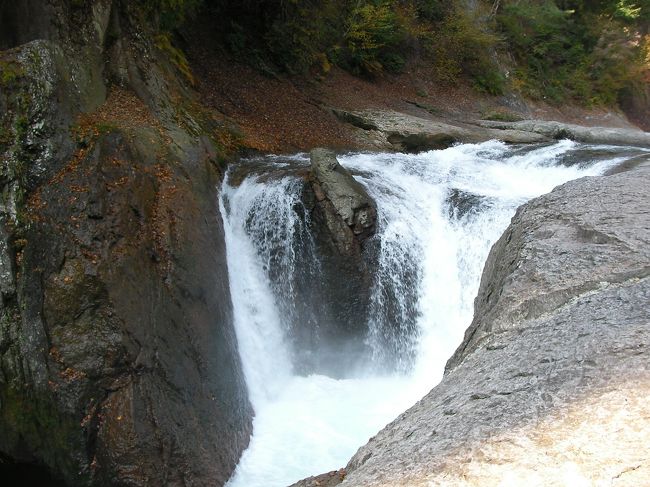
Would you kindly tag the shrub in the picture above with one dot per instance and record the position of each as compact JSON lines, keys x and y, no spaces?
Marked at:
{"x":373,"y":39}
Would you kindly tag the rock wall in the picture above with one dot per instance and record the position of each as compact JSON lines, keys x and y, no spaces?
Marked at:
{"x":550,"y":385}
{"x":118,"y":359}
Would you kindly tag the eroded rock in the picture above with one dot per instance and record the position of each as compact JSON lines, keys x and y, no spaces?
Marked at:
{"x":343,"y":200}
{"x":400,"y":131}
{"x":342,"y":219}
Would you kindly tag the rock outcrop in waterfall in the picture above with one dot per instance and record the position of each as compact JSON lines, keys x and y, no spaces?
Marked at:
{"x":348,"y":210}
{"x":118,"y":359}
{"x":551,"y":382}
{"x":343,"y":218}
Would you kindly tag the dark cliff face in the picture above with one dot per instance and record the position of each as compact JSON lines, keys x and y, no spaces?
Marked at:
{"x":118,"y":359}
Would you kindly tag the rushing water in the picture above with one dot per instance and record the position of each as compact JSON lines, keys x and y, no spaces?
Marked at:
{"x":439,"y":213}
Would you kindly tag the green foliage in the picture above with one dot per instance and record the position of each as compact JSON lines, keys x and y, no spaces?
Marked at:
{"x":584,"y":51}
{"x":175,"y":55}
{"x":580,"y":50}
{"x":460,"y":46}
{"x":307,"y":34}
{"x":432,"y":10}
{"x":373,"y":38}
{"x":10,"y":72}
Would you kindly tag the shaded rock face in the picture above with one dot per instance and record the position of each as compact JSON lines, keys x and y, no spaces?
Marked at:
{"x":550,"y":385}
{"x":342,"y":220}
{"x":24,"y":21}
{"x":118,"y":359}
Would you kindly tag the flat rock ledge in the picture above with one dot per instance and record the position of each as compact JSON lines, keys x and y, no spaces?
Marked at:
{"x":589,"y":135}
{"x":391,"y":130}
{"x":551,"y":384}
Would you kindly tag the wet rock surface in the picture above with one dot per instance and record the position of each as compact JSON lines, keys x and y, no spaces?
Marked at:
{"x":118,"y":359}
{"x":552,"y":379}
{"x":343,"y":200}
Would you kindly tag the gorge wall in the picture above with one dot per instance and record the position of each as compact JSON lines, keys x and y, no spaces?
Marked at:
{"x":118,"y":359}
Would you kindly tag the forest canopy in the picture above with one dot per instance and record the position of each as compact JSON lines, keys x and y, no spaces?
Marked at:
{"x":588,"y":51}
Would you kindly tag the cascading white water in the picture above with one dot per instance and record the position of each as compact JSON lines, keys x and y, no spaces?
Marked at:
{"x":439,"y":214}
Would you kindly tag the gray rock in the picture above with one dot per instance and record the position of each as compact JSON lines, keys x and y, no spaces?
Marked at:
{"x":575,"y":240}
{"x":329,"y":479}
{"x":590,"y":135}
{"x":409,"y":133}
{"x":349,"y":199}
{"x":550,"y":385}
{"x":341,"y":220}
{"x":386,"y":129}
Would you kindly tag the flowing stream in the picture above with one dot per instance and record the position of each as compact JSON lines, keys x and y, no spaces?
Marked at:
{"x":439,"y":213}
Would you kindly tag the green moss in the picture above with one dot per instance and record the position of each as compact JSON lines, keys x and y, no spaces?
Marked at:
{"x":21,"y":126}
{"x":176,"y":56}
{"x":6,"y":137}
{"x":10,"y":73}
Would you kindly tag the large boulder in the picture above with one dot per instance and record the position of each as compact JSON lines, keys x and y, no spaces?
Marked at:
{"x":118,"y":357}
{"x":550,"y":385}
{"x":391,"y":130}
{"x":349,"y":211}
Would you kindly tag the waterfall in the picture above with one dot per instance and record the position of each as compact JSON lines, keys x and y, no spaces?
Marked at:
{"x":439,"y":213}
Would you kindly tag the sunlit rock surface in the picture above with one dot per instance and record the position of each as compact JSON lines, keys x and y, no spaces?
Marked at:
{"x":387,"y":129}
